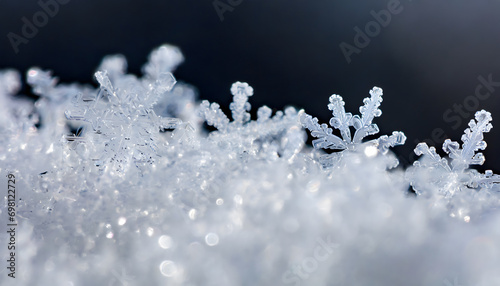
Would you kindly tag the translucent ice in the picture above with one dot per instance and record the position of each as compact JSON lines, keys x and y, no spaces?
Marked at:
{"x":121,"y":185}
{"x":343,"y":121}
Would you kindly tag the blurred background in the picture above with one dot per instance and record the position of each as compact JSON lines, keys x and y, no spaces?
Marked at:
{"x":437,"y":60}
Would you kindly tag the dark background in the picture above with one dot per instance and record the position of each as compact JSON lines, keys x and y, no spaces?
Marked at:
{"x":427,"y":59}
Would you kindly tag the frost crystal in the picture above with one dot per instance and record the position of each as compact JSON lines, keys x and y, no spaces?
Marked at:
{"x":125,"y":127}
{"x":267,"y":137}
{"x":121,"y":184}
{"x":343,"y":121}
{"x":433,"y":175}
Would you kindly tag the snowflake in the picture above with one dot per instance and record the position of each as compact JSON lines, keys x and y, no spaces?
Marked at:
{"x":125,"y":128}
{"x":344,"y":121}
{"x":267,"y":137}
{"x":449,"y":182}
{"x":162,"y":186}
{"x":451,"y":175}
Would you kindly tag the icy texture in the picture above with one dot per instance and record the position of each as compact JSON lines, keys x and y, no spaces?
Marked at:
{"x":120,"y":185}
{"x":343,"y":121}
{"x":125,"y":127}
{"x":16,"y":114}
{"x":450,"y":181}
{"x":267,"y":137}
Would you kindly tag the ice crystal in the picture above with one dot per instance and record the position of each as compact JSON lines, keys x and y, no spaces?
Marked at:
{"x":433,"y":175}
{"x":344,"y":121}
{"x":125,"y":127}
{"x":269,"y":137}
{"x":121,"y":184}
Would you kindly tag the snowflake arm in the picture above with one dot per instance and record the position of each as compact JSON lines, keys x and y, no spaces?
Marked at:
{"x":163,"y":84}
{"x":473,"y":138}
{"x":340,"y":120}
{"x":103,"y":79}
{"x":369,"y":111}
{"x":326,"y":139}
{"x":433,"y":157}
{"x":213,"y":115}
{"x":485,"y":180}
{"x":240,"y":105}
{"x":385,"y":142}
{"x":472,"y":142}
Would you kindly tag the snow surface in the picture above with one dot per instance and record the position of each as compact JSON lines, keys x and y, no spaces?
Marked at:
{"x":121,"y":185}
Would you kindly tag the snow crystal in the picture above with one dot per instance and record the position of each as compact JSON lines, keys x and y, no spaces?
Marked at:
{"x":121,"y":185}
{"x":343,"y":121}
{"x":449,"y":181}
